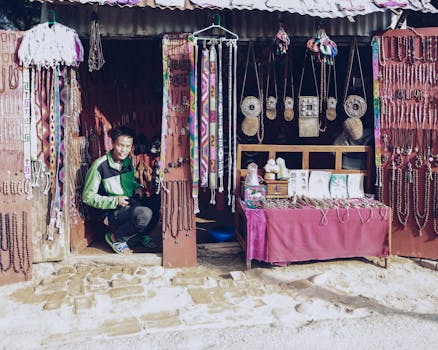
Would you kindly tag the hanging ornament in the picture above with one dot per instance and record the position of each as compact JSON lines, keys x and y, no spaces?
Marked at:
{"x":95,"y":55}
{"x":51,"y":44}
{"x":281,"y":41}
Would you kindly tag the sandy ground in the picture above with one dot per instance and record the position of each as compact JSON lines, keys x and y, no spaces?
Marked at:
{"x":342,"y":304}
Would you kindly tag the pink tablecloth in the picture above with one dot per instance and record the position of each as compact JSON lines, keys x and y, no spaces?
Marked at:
{"x":281,"y":236}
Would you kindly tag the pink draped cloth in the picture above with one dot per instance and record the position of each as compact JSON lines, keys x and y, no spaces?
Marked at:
{"x":280,"y":236}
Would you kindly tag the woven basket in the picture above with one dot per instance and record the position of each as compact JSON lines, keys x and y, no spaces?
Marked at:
{"x":354,"y":128}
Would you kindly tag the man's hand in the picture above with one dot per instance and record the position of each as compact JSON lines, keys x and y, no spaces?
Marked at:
{"x":123,"y":201}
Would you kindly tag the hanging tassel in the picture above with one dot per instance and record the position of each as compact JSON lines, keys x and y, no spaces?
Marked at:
{"x":51,"y":229}
{"x":409,"y":174}
{"x":221,"y":184}
{"x":213,"y":197}
{"x":195,"y":205}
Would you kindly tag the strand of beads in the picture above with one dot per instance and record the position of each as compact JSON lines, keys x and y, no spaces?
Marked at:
{"x":402,"y":213}
{"x":425,"y":215}
{"x":435,"y":202}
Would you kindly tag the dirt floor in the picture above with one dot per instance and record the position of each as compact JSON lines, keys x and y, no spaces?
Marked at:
{"x":120,"y":303}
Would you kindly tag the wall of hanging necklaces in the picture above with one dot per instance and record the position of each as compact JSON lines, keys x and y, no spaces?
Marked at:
{"x":178,"y":218}
{"x":15,"y":224}
{"x":406,"y":125}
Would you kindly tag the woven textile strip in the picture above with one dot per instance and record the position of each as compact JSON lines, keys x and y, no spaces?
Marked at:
{"x":33,"y":107}
{"x":46,"y":88}
{"x":205,"y":110}
{"x":220,"y":123}
{"x":26,"y":122}
{"x":165,"y":111}
{"x":194,"y":137}
{"x":60,"y":136}
{"x":52,"y":133}
{"x":37,"y":114}
{"x":233,"y":201}
{"x":230,"y":120}
{"x":55,"y":154}
{"x":375,"y":62}
{"x":213,"y":124}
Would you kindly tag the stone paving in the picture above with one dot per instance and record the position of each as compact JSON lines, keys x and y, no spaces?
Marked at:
{"x":109,"y":299}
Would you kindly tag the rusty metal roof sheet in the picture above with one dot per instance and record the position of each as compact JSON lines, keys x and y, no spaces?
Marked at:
{"x":317,"y":8}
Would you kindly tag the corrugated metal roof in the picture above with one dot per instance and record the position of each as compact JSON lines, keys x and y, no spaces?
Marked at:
{"x":318,"y":8}
{"x":130,"y":22}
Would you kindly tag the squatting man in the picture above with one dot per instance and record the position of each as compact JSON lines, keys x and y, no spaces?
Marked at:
{"x":111,"y":188}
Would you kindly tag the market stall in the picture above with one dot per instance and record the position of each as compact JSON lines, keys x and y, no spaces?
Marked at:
{"x":266,"y":73}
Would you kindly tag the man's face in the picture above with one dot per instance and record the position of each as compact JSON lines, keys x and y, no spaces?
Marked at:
{"x":122,"y":147}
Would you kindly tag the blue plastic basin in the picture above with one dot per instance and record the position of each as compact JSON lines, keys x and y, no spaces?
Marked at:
{"x":222,"y":234}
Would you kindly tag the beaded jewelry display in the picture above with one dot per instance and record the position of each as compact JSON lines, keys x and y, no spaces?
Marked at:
{"x":421,"y":218}
{"x":402,"y":209}
{"x":435,"y":203}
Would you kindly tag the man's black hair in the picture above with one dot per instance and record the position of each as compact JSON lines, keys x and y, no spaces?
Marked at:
{"x":121,"y":131}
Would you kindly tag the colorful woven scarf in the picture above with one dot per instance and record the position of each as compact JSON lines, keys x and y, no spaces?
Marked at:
{"x":230,"y":119}
{"x":33,"y":138}
{"x":213,"y":122}
{"x":26,"y":123}
{"x":205,"y":110}
{"x":194,"y":137}
{"x":233,"y":201}
{"x":165,"y":111}
{"x":39,"y":113}
{"x":55,"y":152}
{"x":46,"y":88}
{"x":63,"y":98}
{"x":220,"y":123}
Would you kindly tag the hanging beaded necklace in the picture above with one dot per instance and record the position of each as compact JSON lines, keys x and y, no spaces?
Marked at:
{"x":26,"y":264}
{"x":425,"y":215}
{"x":402,"y":196}
{"x":382,"y":58}
{"x":435,"y":203}
{"x":8,"y":242}
{"x":370,"y":216}
{"x":380,"y":183}
{"x":391,"y":187}
{"x":1,"y":240}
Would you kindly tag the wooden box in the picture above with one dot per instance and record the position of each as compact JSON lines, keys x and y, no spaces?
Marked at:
{"x":276,"y":188}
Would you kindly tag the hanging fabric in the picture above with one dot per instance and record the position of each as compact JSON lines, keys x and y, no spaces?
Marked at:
{"x":51,"y":47}
{"x":230,"y":118}
{"x":213,"y":124}
{"x":205,"y":109}
{"x":194,"y":138}
{"x":220,"y":123}
{"x":165,"y":111}
{"x":27,"y":124}
{"x":233,"y":200}
{"x":56,"y":156}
